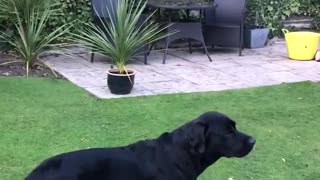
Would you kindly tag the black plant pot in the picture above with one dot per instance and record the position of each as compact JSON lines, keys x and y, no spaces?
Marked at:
{"x":120,"y":84}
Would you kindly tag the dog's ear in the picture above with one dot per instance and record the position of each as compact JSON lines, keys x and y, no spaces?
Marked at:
{"x":196,"y":137}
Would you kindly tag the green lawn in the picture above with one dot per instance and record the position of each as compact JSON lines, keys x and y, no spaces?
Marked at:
{"x":40,"y":118}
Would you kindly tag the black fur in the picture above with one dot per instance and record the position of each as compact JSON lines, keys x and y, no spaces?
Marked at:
{"x":182,"y":154}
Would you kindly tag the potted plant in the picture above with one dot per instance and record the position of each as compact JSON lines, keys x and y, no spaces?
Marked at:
{"x":255,"y":36}
{"x":120,"y":38}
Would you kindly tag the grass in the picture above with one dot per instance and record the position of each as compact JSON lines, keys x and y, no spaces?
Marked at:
{"x":40,"y":118}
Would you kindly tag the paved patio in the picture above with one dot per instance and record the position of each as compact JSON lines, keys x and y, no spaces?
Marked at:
{"x":186,"y":73}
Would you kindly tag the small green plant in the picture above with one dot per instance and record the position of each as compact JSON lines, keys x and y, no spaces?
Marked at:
{"x":121,"y":37}
{"x":269,"y":13}
{"x":31,"y":38}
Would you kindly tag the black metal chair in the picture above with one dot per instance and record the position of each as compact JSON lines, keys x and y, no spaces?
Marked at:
{"x":100,"y":9}
{"x":224,"y":24}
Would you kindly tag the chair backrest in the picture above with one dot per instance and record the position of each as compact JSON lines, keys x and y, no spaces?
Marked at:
{"x":100,"y":8}
{"x":226,"y":12}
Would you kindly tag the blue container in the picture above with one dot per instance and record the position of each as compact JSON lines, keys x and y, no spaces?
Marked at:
{"x":255,"y":37}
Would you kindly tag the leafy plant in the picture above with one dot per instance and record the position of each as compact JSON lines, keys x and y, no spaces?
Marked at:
{"x":31,"y":39}
{"x":71,"y":11}
{"x":8,"y":18}
{"x":121,"y":37}
{"x":269,"y":13}
{"x":9,"y":9}
{"x":311,"y":8}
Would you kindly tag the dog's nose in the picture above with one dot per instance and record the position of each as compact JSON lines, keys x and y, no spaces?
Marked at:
{"x":252,"y":141}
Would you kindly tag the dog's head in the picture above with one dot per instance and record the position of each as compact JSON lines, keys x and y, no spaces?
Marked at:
{"x":216,"y":134}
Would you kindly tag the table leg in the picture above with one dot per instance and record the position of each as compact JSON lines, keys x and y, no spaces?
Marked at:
{"x":188,"y":14}
{"x":190,"y":46}
{"x":159,"y":14}
{"x":167,"y":42}
{"x":166,"y":51}
{"x":201,"y":15}
{"x":189,"y":40}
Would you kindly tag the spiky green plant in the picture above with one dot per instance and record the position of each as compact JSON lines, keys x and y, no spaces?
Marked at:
{"x":23,"y":7}
{"x":121,"y":37}
{"x":31,"y":39}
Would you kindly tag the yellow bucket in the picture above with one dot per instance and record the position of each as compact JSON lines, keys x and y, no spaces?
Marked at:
{"x":301,"y":45}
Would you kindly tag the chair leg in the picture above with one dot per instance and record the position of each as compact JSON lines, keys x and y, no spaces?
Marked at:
{"x":240,"y":49}
{"x":165,"y":52}
{"x":190,"y":47}
{"x":145,"y":58}
{"x":92,"y":57}
{"x":241,"y":41}
{"x":206,"y":50}
{"x":146,"y":54}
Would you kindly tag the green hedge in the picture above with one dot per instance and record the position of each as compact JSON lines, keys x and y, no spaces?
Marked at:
{"x":270,"y":12}
{"x":312,"y":8}
{"x":72,"y":11}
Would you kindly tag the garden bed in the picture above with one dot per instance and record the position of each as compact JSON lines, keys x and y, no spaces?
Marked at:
{"x":18,"y":68}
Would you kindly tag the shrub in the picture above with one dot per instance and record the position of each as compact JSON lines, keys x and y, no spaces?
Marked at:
{"x":75,"y":11}
{"x":270,"y":12}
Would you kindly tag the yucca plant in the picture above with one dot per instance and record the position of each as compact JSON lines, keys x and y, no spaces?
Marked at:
{"x":8,"y":8}
{"x":120,"y":38}
{"x":31,"y":38}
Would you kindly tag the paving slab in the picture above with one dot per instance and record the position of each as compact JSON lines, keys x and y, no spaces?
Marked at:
{"x":188,"y":73}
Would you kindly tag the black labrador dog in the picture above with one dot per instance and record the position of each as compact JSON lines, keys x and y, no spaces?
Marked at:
{"x":182,"y":154}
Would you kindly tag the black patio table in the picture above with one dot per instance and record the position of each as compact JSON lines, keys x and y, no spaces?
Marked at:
{"x":186,"y":30}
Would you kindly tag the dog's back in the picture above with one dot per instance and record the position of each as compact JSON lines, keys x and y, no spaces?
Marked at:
{"x":94,"y":164}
